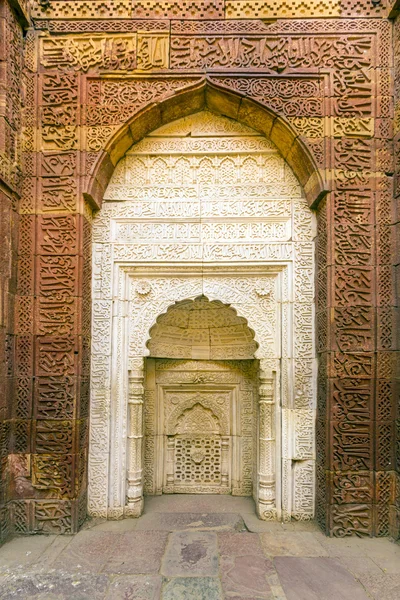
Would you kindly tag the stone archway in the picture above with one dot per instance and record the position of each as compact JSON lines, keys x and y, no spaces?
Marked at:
{"x":203,"y":206}
{"x":201,"y":410}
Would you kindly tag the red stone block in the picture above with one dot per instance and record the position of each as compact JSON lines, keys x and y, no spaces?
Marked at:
{"x":22,"y":516}
{"x":24,"y":356}
{"x":384,"y":434}
{"x":28,"y":195}
{"x":57,"y":315}
{"x":386,"y":280}
{"x":22,"y":395}
{"x":56,"y":356}
{"x":386,"y":398}
{"x":54,"y":437}
{"x":56,"y":164}
{"x":59,"y":234}
{"x":351,"y":446}
{"x":53,"y":517}
{"x":384,"y":128}
{"x":24,"y":315}
{"x":354,"y":286}
{"x":354,"y":329}
{"x":351,"y":400}
{"x":57,"y":195}
{"x":387,"y":326}
{"x":57,"y":276}
{"x":53,"y":474}
{"x":352,"y":488}
{"x":56,"y":397}
{"x":353,"y":243}
{"x":324,"y":338}
{"x":381,"y":519}
{"x":27,"y":234}
{"x":352,"y":364}
{"x":20,"y":436}
{"x":351,"y":519}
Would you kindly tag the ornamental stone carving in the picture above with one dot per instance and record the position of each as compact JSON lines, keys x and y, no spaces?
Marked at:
{"x":204,"y":245}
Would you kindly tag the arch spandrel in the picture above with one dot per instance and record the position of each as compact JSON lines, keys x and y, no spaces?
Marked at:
{"x":207,"y":94}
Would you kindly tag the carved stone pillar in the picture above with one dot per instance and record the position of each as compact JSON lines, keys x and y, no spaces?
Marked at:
{"x":134,"y":492}
{"x":225,"y":470}
{"x":169,"y":465}
{"x":266,"y":505}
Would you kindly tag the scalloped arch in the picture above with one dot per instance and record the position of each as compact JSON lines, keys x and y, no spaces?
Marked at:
{"x":201,"y":329}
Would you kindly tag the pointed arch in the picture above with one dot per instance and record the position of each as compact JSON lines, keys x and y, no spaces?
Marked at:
{"x":206,"y":94}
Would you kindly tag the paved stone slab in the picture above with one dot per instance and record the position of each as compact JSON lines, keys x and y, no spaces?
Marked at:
{"x":88,"y":552}
{"x":57,"y":585}
{"x":382,"y":587}
{"x":192,"y":588}
{"x":247,"y":576}
{"x":191,"y":553}
{"x":292,"y":544}
{"x":52,"y":552}
{"x":121,"y":526}
{"x":203,"y":503}
{"x":135,"y":587}
{"x":317,"y":578}
{"x":255,"y":525}
{"x":340,"y":547}
{"x":384,"y":553}
{"x":137,"y":552}
{"x":192,"y":521}
{"x":310,"y":526}
{"x":357,"y":565}
{"x":239,"y":544}
{"x":23,"y":551}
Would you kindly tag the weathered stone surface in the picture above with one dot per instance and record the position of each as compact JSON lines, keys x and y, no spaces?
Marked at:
{"x":317,"y":579}
{"x":190,"y":521}
{"x":88,"y":552}
{"x":23,"y":551}
{"x":247,"y":575}
{"x":121,"y":526}
{"x":381,"y":587}
{"x":201,"y":588}
{"x":239,"y":544}
{"x":191,"y":554}
{"x":147,"y":587}
{"x":54,"y":586}
{"x":149,"y":545}
{"x":291,"y":544}
{"x":204,"y":503}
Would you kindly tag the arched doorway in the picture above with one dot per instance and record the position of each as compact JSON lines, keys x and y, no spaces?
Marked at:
{"x":201,"y":402}
{"x":203,"y":207}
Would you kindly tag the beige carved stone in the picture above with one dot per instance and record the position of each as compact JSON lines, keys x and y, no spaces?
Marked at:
{"x":200,"y":424}
{"x":203,"y":261}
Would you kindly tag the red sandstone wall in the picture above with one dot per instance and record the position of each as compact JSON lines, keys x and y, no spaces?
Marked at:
{"x":11,"y":65}
{"x":395,"y":220}
{"x":69,"y":118}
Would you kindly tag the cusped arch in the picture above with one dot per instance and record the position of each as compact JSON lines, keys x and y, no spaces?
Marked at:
{"x":215,"y":408}
{"x":206,"y":94}
{"x":196,"y":419}
{"x":201,"y":329}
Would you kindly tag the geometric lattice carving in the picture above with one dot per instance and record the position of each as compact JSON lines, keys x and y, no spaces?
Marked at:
{"x":198,"y":460}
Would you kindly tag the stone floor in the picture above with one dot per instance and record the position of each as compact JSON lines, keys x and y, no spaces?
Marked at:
{"x":199,"y":548}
